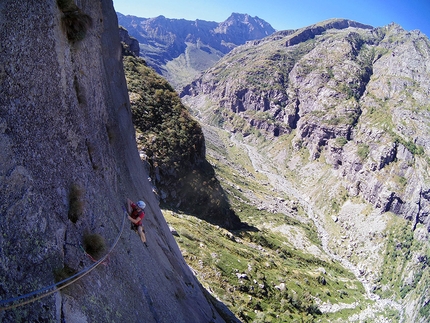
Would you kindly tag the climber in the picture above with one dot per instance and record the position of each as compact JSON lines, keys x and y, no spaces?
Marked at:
{"x":136,"y":215}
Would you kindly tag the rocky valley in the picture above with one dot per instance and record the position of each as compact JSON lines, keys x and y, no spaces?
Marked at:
{"x":333,"y":118}
{"x":287,"y":183}
{"x":345,"y":95}
{"x":319,"y":138}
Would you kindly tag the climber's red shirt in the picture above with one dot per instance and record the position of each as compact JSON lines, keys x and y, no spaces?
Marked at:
{"x":137,"y":214}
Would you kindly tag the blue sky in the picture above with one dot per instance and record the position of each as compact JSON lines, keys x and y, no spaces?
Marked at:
{"x":288,"y":14}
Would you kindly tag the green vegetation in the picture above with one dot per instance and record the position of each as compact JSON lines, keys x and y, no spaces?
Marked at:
{"x":341,"y":141}
{"x":402,"y":275}
{"x":398,"y":251}
{"x":409,"y":144}
{"x":341,"y":197}
{"x":401,"y":181}
{"x":425,"y":310}
{"x":259,"y":275}
{"x":363,"y":151}
{"x":74,"y":22}
{"x":94,"y":245}
{"x":174,"y":146}
{"x":64,"y":273}
{"x":377,"y":113}
{"x":76,"y":203}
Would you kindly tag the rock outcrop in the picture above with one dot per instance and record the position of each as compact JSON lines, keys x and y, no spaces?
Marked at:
{"x":311,"y":32}
{"x":130,"y":45}
{"x":172,"y":145}
{"x":68,"y":162}
{"x":356,"y":97}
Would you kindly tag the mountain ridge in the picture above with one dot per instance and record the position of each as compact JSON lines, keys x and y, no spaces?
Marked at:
{"x":180,"y":49}
{"x":259,"y":97}
{"x":342,"y":116}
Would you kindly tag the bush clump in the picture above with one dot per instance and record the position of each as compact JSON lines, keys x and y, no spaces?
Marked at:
{"x":64,"y":273}
{"x":76,"y":203}
{"x":363,"y":151}
{"x":94,"y":245}
{"x":75,"y":23}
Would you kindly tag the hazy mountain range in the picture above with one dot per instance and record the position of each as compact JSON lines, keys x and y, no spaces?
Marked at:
{"x":180,"y":49}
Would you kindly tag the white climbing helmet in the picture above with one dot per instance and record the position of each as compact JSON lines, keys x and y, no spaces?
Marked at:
{"x":141,"y":204}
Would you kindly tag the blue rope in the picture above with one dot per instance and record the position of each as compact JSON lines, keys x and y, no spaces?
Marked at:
{"x":69,"y":280}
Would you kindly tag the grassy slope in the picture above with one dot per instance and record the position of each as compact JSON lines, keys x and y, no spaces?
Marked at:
{"x":266,"y":255}
{"x":282,"y":248}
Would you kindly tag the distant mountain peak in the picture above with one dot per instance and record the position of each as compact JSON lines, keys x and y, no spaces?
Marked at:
{"x":238,"y":16}
{"x":258,"y":27}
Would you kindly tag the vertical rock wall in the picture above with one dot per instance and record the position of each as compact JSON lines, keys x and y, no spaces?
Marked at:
{"x":68,"y":161}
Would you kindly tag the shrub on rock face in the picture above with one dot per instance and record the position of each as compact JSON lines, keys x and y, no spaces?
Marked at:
{"x":363,"y":151}
{"x":64,"y":273}
{"x":94,"y":245}
{"x":74,"y":22}
{"x":76,"y":203}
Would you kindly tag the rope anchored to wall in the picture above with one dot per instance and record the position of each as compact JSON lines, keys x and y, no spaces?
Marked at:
{"x":48,"y":290}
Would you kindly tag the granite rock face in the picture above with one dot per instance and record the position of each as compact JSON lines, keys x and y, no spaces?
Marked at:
{"x":68,"y":161}
{"x":354,"y":96}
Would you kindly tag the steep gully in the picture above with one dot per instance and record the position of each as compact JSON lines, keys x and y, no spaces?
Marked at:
{"x":280,"y":183}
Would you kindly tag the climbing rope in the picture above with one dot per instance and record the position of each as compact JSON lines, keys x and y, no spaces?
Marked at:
{"x":56,"y":287}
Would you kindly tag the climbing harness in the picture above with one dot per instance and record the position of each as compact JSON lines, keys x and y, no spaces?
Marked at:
{"x":46,"y":291}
